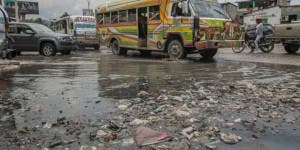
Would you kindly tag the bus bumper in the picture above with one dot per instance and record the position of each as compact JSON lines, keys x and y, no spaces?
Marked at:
{"x":88,"y":43}
{"x":219,"y":44}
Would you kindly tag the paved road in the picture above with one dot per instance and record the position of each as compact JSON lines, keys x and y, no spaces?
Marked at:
{"x":63,"y":101}
{"x":277,"y":56}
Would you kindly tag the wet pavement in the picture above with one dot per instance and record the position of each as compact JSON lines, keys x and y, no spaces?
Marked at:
{"x":93,"y":100}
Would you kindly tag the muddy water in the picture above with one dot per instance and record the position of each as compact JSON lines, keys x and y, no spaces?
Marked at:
{"x":85,"y":88}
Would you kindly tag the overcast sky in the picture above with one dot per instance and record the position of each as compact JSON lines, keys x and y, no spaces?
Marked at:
{"x":55,"y":8}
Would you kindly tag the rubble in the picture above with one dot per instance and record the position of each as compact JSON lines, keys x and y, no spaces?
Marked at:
{"x":123,"y":107}
{"x":211,"y":147}
{"x":110,"y":137}
{"x":229,"y":124}
{"x":230,"y":138}
{"x":296,"y":100}
{"x":183,"y":111}
{"x":145,"y":136}
{"x":143,"y":94}
{"x":100,"y":133}
{"x":138,"y":122}
{"x":127,"y":142}
{"x":187,"y":131}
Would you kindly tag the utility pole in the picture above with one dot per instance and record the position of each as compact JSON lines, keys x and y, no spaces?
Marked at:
{"x":88,"y":1}
{"x":17,"y":11}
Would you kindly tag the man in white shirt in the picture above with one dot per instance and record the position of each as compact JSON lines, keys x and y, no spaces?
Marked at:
{"x":259,"y":32}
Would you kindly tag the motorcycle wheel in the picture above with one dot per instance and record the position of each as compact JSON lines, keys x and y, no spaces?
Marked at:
{"x":267,"y":45}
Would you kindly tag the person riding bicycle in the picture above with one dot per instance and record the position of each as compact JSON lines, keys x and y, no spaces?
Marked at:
{"x":259,"y":32}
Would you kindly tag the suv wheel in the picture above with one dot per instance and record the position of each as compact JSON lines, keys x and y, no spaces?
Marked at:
{"x":291,"y":49}
{"x":48,"y":49}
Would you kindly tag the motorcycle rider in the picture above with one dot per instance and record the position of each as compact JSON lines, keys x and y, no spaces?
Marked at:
{"x":259,"y":32}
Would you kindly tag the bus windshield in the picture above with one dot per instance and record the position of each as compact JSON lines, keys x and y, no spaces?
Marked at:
{"x":208,"y":9}
{"x":85,"y":26}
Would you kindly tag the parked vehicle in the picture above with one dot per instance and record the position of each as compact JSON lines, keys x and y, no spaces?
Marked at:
{"x":266,"y":44}
{"x":83,"y":28}
{"x":289,"y":35}
{"x":176,"y":27}
{"x":37,"y":37}
{"x":5,"y":52}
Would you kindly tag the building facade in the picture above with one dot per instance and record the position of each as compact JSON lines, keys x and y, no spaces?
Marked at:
{"x":274,"y":15}
{"x":248,"y":6}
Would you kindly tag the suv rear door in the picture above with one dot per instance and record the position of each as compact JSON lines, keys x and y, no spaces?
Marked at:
{"x":23,"y":41}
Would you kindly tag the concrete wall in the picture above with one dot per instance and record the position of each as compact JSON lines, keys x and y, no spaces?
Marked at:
{"x":270,"y":15}
{"x":283,"y":2}
{"x":287,"y":12}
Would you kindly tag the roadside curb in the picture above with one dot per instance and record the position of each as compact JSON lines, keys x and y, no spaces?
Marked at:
{"x":8,"y":65}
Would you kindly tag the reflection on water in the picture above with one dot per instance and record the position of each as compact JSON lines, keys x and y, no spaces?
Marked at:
{"x":123,"y":78}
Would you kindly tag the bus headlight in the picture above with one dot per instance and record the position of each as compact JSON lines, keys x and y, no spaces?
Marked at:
{"x":159,"y":45}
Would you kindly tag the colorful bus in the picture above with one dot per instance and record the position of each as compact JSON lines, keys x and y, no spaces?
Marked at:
{"x":83,"y":28}
{"x":176,"y":27}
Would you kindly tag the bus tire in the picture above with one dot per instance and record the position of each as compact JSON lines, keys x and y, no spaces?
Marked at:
{"x":115,"y":47}
{"x":176,"y":50}
{"x":209,"y":53}
{"x":96,"y":47}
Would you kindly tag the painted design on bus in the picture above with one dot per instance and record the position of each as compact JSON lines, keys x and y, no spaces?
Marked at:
{"x":83,"y":28}
{"x":121,"y":20}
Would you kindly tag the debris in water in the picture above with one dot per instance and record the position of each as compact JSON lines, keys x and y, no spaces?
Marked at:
{"x":230,"y":138}
{"x":145,"y":136}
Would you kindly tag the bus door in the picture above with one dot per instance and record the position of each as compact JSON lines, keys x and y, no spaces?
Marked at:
{"x":142,"y":27}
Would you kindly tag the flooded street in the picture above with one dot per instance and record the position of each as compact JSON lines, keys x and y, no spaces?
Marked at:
{"x":71,"y":101}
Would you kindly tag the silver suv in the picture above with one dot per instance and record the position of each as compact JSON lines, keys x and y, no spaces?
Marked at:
{"x":37,"y":37}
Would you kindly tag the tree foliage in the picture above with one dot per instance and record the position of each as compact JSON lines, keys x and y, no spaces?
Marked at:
{"x":65,"y":14}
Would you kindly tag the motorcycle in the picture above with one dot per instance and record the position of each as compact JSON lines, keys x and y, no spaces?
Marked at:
{"x":265,"y":44}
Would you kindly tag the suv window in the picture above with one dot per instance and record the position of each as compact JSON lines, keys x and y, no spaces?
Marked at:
{"x":21,"y":29}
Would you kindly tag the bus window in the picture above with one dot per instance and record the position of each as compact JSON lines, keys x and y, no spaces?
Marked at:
{"x":114,"y":17}
{"x":154,"y":13}
{"x":100,"y":18}
{"x":132,"y":15}
{"x":123,"y":16}
{"x":71,"y":25}
{"x":107,"y":18}
{"x":180,"y":9}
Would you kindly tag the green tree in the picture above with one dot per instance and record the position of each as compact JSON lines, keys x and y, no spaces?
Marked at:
{"x":38,"y":20}
{"x":65,"y":14}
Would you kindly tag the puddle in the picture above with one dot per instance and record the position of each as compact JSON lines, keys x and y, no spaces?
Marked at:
{"x":87,"y":90}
